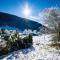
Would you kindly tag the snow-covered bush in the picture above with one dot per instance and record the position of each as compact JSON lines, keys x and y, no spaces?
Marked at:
{"x":14,"y":42}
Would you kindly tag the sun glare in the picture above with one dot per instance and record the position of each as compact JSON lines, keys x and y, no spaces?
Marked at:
{"x":26,"y":11}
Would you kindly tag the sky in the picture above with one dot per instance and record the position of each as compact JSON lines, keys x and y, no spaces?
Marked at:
{"x":16,"y":7}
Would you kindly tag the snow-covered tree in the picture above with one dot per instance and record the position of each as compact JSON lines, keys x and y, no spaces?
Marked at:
{"x":35,"y":31}
{"x":29,"y":31}
{"x":25,"y":31}
{"x":52,"y":19}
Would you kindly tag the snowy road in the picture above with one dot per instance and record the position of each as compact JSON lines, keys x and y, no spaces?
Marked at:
{"x":39,"y":51}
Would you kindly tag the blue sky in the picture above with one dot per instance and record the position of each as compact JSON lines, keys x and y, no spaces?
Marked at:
{"x":15,"y":6}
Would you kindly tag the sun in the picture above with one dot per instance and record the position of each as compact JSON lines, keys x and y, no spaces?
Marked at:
{"x":26,"y":11}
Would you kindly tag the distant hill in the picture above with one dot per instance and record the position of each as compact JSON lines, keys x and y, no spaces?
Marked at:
{"x":18,"y":22}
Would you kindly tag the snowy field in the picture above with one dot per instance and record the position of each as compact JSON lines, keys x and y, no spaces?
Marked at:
{"x":39,"y":51}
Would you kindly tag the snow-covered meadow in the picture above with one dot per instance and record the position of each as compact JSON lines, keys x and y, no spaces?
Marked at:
{"x":39,"y":51}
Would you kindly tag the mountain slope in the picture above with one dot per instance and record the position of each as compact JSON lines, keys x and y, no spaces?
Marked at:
{"x":18,"y":22}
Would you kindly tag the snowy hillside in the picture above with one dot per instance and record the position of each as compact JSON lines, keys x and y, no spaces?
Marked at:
{"x":39,"y":51}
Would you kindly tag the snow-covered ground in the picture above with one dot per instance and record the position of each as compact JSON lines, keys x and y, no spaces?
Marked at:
{"x":39,"y":51}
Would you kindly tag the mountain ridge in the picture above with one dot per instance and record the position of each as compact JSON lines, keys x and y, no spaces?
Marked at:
{"x":18,"y":22}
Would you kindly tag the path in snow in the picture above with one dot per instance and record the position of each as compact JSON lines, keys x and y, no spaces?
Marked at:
{"x":39,"y":51}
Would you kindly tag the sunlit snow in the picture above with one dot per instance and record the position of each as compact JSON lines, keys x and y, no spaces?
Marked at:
{"x":39,"y":51}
